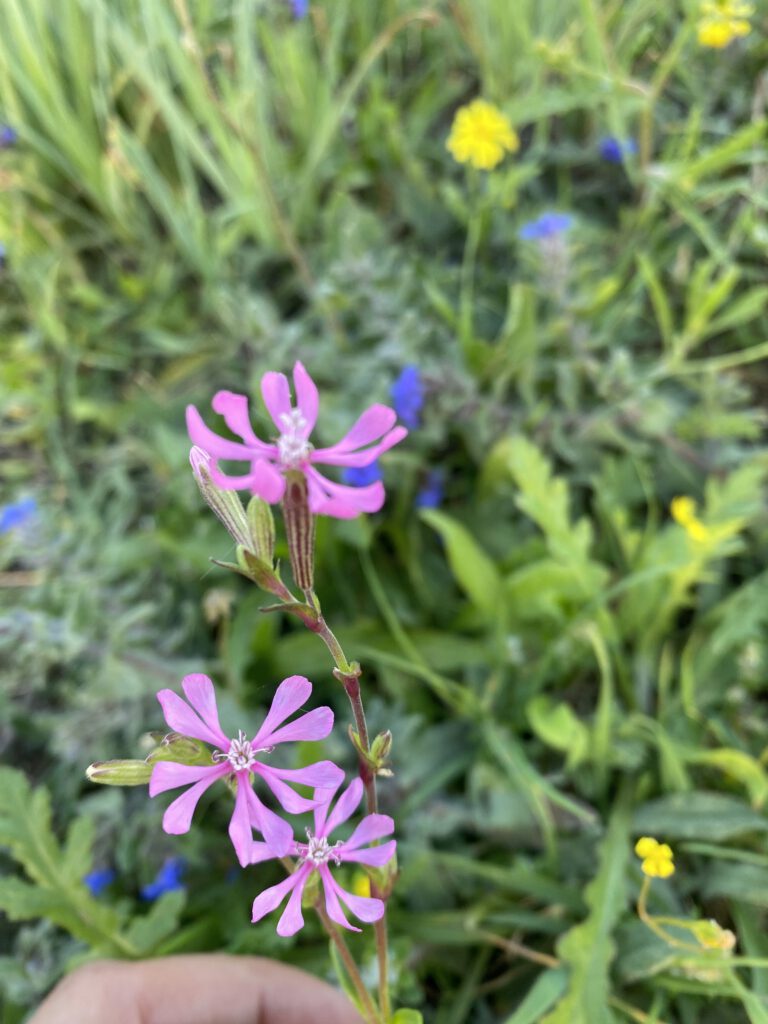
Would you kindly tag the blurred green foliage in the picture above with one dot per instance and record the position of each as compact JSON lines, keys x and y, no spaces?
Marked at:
{"x":206,"y":189}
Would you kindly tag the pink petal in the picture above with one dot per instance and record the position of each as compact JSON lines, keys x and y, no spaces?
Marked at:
{"x":321,"y":810}
{"x":234,"y":409}
{"x":321,"y":775}
{"x":346,"y":805}
{"x":267,"y":481}
{"x":339,"y":500}
{"x":277,"y":397}
{"x":376,"y":856}
{"x":178,"y":816}
{"x":306,"y":397}
{"x":332,"y":904}
{"x":292,"y":918}
{"x":369,"y":427}
{"x":199,"y":691}
{"x":260,"y":852}
{"x":205,"y":438}
{"x":277,"y":833}
{"x":333,"y":457}
{"x":240,"y":822}
{"x":271,"y":898}
{"x":181,"y":718}
{"x":290,"y":695}
{"x":315,"y":725}
{"x":373,"y":826}
{"x":366,"y":908}
{"x":288,"y":799}
{"x":170,"y":775}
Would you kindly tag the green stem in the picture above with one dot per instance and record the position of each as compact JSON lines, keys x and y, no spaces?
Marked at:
{"x":366,"y":1003}
{"x":466,"y":299}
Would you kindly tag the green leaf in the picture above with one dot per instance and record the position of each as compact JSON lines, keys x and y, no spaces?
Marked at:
{"x":474,"y":571}
{"x":407,"y":1017}
{"x":588,"y":948}
{"x":545,"y":498}
{"x":558,"y":726}
{"x":542,"y":995}
{"x":162,"y":920}
{"x":714,"y":817}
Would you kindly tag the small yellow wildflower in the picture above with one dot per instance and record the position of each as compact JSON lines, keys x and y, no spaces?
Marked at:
{"x":656,"y":858}
{"x":361,"y":884}
{"x":480,"y":135}
{"x":722,"y":21}
{"x":683,"y":511}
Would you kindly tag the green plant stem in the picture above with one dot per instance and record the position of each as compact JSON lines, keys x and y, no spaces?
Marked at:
{"x":466,"y":297}
{"x":382,"y":957}
{"x":366,"y":1003}
{"x":664,"y":70}
{"x":653,"y":923}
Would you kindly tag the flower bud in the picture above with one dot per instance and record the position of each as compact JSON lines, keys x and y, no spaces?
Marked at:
{"x":300,"y":530}
{"x":380,"y":749}
{"x":261,"y":527}
{"x":181,"y":749}
{"x":226,"y":505}
{"x":119,"y":773}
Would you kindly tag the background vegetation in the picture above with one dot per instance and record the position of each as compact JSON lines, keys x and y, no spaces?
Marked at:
{"x":205,"y":189}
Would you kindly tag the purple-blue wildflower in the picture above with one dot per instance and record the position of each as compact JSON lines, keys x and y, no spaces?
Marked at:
{"x":15,"y":515}
{"x":98,"y":879}
{"x":167,"y":879}
{"x":8,"y":136}
{"x":408,"y":396}
{"x":431,"y":494}
{"x":615,"y":150}
{"x":361,"y":476}
{"x":300,"y":8}
{"x":547,"y":225}
{"x":2,"y":256}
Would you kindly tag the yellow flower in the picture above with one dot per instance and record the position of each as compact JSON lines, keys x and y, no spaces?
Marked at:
{"x":361,"y":884}
{"x":480,"y":135}
{"x":683,"y":510}
{"x":722,"y":21}
{"x":656,"y":858}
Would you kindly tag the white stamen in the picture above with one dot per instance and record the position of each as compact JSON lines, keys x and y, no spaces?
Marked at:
{"x":241,"y":754}
{"x":318,"y":851}
{"x":291,"y":445}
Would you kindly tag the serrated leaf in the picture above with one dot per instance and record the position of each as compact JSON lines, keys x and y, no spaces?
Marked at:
{"x":149,"y":930}
{"x":77,"y":859}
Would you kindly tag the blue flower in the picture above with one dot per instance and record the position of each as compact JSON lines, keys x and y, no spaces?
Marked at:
{"x":547,"y":225}
{"x":408,"y":396}
{"x":361,"y":476}
{"x":615,"y":150}
{"x":98,"y":880}
{"x":167,"y":879}
{"x":8,"y":136}
{"x":14,"y":516}
{"x":300,"y":8}
{"x":2,"y":255}
{"x":432,"y":493}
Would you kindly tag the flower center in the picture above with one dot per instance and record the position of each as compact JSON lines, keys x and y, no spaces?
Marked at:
{"x":318,"y":851}
{"x":292,"y":446}
{"x":241,"y":754}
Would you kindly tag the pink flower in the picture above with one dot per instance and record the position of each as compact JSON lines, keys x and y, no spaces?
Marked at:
{"x":375,"y":432}
{"x":239,"y":759}
{"x":317,"y":854}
